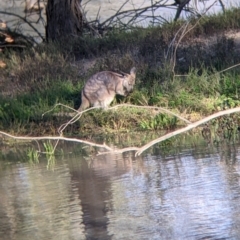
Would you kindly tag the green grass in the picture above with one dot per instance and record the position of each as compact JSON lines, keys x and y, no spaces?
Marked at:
{"x":36,"y":79}
{"x":182,"y":93}
{"x":24,"y":111}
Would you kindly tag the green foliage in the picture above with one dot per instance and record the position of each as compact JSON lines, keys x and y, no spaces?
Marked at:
{"x":160,"y":121}
{"x":159,"y":99}
{"x":122,"y":119}
{"x":48,"y":148}
{"x":230,"y":19}
{"x":226,"y":102}
{"x":184,"y":100}
{"x":50,"y":151}
{"x":201,"y":81}
{"x":33,"y":156}
{"x":230,"y":85}
{"x":140,"y":97}
{"x":38,"y":78}
{"x":30,"y":107}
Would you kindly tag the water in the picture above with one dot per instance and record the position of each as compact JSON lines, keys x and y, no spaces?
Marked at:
{"x":192,"y":194}
{"x":102,"y":10}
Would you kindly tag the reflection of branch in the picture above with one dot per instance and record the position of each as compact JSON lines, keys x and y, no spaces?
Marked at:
{"x":25,"y":20}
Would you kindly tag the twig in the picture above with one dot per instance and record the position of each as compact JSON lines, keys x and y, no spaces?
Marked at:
{"x":224,"y":70}
{"x":173,"y":40}
{"x":152,"y":107}
{"x":114,"y":107}
{"x":73,"y":119}
{"x":87,"y":23}
{"x":133,"y":14}
{"x":56,"y":105}
{"x":180,"y":39}
{"x":184,"y":33}
{"x":25,"y":20}
{"x":222,"y":5}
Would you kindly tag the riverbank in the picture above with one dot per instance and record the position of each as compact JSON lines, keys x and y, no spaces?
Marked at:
{"x":186,"y":67}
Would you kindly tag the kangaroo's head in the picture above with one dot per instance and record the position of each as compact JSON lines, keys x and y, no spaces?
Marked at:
{"x":129,"y":81}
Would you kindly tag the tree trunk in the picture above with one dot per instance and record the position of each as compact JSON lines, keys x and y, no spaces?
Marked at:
{"x":181,"y":5}
{"x":64,"y":19}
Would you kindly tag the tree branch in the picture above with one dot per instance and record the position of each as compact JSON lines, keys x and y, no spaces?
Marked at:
{"x":152,"y":107}
{"x":183,"y":32}
{"x":185,"y":129}
{"x":24,"y":20}
{"x":138,"y":150}
{"x":56,"y":138}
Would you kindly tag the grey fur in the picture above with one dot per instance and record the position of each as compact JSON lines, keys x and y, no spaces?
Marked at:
{"x":102,"y":87}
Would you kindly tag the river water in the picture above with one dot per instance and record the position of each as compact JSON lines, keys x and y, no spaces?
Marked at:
{"x":101,"y":10}
{"x":190,"y":193}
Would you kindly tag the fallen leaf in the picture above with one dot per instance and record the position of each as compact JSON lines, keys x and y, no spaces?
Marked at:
{"x":9,"y":39}
{"x":2,"y":64}
{"x":3,"y":25}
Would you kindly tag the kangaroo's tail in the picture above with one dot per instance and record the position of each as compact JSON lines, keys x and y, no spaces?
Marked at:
{"x":85,"y":102}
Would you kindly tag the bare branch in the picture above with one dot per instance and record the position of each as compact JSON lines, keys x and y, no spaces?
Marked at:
{"x":151,"y":107}
{"x":56,"y":138}
{"x":187,"y":128}
{"x":224,"y":70}
{"x":222,"y":5}
{"x":133,"y":15}
{"x":57,"y":105}
{"x":24,"y":20}
{"x":183,"y":32}
{"x":138,"y":150}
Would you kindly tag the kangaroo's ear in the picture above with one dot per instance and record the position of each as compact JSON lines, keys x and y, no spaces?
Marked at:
{"x":133,"y":71}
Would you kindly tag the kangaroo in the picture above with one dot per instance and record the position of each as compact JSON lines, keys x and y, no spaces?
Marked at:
{"x":101,"y":88}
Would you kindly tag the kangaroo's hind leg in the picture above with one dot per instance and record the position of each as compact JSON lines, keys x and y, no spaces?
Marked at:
{"x":105,"y":97}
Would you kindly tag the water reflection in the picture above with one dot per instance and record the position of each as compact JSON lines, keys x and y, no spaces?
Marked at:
{"x":38,"y":204}
{"x":190,"y":195}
